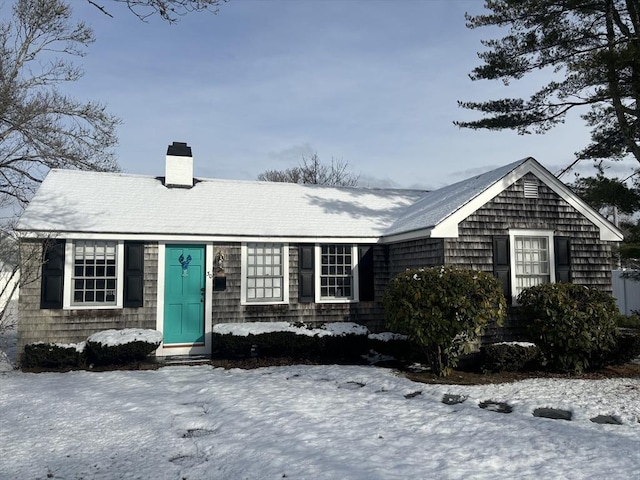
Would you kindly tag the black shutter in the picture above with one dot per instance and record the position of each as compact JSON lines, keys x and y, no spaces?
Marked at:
{"x":562,"y":250}
{"x":306,"y":292}
{"x":365,"y":273}
{"x":52,"y":274}
{"x":502,"y":264}
{"x":133,"y":274}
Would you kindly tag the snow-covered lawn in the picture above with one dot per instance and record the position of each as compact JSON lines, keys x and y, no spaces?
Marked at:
{"x":307,"y":422}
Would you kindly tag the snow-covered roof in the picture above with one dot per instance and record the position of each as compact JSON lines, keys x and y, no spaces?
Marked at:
{"x":436,"y":206}
{"x":93,"y":202}
{"x":71,"y":201}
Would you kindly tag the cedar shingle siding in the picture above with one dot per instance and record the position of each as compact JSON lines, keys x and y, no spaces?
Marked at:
{"x":591,"y":258}
{"x":73,"y":326}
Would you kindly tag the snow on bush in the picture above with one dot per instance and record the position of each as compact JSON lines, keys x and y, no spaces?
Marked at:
{"x":109,"y":338}
{"x":257,"y":328}
{"x":387,"y":336}
{"x":112,"y":347}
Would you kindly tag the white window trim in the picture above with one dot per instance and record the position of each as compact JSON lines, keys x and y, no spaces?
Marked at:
{"x":285,"y":276}
{"x":68,"y":269}
{"x":318,"y":270}
{"x":512,"y":255}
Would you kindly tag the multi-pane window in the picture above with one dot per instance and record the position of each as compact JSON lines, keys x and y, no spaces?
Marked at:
{"x":265,"y":281}
{"x":532,"y":265}
{"x":336,"y":271}
{"x":94,"y":279}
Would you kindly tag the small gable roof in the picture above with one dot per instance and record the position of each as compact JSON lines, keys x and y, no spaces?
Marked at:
{"x":438,"y":213}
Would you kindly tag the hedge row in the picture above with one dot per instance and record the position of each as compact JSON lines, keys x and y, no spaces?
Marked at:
{"x":91,"y":352}
{"x":295,"y":346}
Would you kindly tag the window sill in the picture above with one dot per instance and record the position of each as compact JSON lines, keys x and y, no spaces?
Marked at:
{"x":335,"y":300}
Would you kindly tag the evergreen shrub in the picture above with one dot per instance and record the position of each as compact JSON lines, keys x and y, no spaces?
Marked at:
{"x":625,"y":349}
{"x":509,"y":357}
{"x":49,"y":355}
{"x":130,"y":345}
{"x":574,"y":325}
{"x":289,"y":344}
{"x":442,"y":310}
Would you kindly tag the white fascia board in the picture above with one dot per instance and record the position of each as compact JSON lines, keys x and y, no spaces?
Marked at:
{"x":407,"y":236}
{"x":195,"y":238}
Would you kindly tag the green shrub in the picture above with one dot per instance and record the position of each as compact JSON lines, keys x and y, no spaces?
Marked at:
{"x":289,"y":344}
{"x":48,"y":355}
{"x":509,"y":357}
{"x":625,"y":349}
{"x":118,"y":347}
{"x":443,"y":309}
{"x":630,"y":321}
{"x":394,"y":345}
{"x":573,"y":325}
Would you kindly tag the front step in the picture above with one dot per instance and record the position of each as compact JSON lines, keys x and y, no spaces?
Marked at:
{"x":184,"y":359}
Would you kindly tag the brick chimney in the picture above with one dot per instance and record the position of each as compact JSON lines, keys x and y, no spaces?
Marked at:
{"x":179,"y":166}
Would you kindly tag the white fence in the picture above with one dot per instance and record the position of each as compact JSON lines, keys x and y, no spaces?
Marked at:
{"x":626,"y":292}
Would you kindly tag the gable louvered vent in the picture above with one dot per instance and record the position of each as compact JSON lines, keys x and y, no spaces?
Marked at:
{"x":530,"y":189}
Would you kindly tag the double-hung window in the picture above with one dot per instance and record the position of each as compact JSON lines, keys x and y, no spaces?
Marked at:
{"x":336,"y":272}
{"x":532,"y":259}
{"x":94,"y":281}
{"x":264,"y":277}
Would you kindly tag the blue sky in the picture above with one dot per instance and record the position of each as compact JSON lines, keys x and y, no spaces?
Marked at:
{"x":264,"y":82}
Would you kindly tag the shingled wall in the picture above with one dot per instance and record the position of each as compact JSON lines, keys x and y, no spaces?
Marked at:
{"x":73,"y":326}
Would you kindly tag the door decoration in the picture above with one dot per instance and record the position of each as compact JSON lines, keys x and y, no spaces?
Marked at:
{"x":185,"y":264}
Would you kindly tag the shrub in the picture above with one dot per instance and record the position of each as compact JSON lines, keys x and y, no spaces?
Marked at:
{"x":573,"y":325}
{"x":630,"y":321}
{"x":49,"y":355}
{"x":625,"y":349}
{"x":443,"y":309}
{"x":288,"y":344}
{"x":117,"y":347}
{"x":395,"y":345}
{"x":509,"y":357}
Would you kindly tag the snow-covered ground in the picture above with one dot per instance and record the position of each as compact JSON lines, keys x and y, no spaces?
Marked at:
{"x":308,"y":422}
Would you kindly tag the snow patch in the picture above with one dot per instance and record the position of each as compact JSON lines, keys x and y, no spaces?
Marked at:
{"x":256,"y":328}
{"x":387,"y":336}
{"x":110,"y":338}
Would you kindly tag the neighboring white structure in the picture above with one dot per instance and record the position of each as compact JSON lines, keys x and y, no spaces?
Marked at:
{"x":9,"y":272}
{"x":626,"y":292}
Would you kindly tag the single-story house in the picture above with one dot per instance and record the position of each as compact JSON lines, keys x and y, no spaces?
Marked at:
{"x":180,"y":254}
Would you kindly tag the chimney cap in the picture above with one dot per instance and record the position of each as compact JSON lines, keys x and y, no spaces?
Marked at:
{"x":179,"y":149}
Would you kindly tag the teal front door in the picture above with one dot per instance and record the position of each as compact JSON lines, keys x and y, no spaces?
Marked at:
{"x":184,"y":293}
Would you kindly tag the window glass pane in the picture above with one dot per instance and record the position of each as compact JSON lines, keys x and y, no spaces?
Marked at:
{"x":264,"y":268}
{"x":531,"y":261}
{"x":336,"y":274}
{"x":94,"y":273}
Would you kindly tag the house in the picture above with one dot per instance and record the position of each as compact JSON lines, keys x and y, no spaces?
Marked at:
{"x":180,"y":254}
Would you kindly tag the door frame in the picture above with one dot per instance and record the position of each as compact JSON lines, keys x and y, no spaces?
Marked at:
{"x":199,"y":349}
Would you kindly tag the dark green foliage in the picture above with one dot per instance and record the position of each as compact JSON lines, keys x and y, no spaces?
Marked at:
{"x":442,"y":310}
{"x":588,"y":51}
{"x":136,"y":351}
{"x":626,"y":348}
{"x":509,"y":357}
{"x":631,"y":321}
{"x":601,"y":192}
{"x":289,"y":344}
{"x":399,"y":348}
{"x":47,"y":355}
{"x":573,"y":325}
